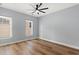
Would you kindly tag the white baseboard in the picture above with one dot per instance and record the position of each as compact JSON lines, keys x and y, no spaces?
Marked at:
{"x":16,"y":42}
{"x":71,"y":46}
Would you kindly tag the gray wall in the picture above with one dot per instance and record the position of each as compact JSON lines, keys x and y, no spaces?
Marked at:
{"x":18,"y":25}
{"x":61,"y":26}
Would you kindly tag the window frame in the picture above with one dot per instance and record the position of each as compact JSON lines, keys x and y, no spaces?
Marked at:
{"x":31,"y":28}
{"x":10,"y":20}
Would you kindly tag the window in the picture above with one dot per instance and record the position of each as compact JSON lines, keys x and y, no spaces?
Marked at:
{"x":5,"y":27}
{"x":29,"y":27}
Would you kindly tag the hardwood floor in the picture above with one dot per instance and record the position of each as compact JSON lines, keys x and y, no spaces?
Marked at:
{"x":37,"y":47}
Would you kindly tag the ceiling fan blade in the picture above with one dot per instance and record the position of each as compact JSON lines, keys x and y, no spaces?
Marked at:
{"x":37,"y":7}
{"x":34,"y":11}
{"x":43,"y":9}
{"x":32,"y":6}
{"x":40,"y":4}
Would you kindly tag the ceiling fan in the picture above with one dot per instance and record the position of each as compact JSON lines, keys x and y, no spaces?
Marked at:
{"x":37,"y":8}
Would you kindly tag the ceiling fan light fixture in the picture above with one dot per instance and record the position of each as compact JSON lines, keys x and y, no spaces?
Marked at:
{"x":37,"y":10}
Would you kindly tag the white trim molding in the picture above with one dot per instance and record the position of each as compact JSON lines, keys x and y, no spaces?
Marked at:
{"x":71,"y":46}
{"x":10,"y":19}
{"x":18,"y":41}
{"x":29,"y":26}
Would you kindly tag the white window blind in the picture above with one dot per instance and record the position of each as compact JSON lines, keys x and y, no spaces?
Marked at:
{"x":5,"y":27}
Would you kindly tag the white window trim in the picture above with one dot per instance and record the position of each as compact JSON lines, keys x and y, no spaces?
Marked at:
{"x":31,"y":27}
{"x":10,"y":19}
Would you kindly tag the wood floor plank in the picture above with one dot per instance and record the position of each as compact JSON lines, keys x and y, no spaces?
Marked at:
{"x":37,"y":47}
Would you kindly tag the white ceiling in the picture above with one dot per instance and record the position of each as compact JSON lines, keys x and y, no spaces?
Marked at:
{"x":26,"y":8}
